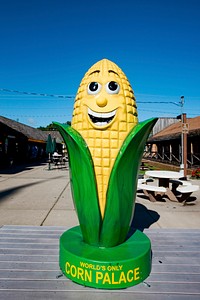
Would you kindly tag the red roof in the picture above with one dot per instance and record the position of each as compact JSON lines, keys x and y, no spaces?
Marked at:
{"x":173,"y":131}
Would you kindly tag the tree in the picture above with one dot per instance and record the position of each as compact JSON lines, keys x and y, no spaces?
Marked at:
{"x":51,"y":127}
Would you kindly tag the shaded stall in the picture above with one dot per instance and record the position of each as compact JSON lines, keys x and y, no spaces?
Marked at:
{"x":165,"y":146}
{"x":20,"y":143}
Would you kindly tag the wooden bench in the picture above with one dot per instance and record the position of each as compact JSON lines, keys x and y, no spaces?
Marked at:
{"x":180,"y":182}
{"x":186,"y":191}
{"x":177,"y":182}
{"x":144,"y":180}
{"x":141,"y":180}
{"x":153,"y":192}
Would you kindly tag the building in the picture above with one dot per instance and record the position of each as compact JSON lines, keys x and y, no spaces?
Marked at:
{"x":166,"y":145}
{"x":162,"y":123}
{"x":20,"y":143}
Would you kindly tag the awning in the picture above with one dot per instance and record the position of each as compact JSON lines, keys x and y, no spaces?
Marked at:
{"x":36,"y":141}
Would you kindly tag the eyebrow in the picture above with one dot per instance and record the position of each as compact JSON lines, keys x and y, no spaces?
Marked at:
{"x":111,"y":71}
{"x":96,"y":71}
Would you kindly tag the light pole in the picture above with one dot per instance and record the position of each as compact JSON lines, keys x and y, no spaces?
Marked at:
{"x":182,"y":161}
{"x":184,"y":128}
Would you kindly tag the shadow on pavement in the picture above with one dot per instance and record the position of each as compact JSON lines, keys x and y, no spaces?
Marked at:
{"x":14,"y":169}
{"x":11,"y":191}
{"x":8,"y":192}
{"x":143,"y":218}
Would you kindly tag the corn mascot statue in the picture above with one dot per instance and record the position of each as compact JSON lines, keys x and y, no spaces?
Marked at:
{"x":105,"y":144}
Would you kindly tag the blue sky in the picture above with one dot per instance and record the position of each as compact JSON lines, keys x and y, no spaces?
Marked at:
{"x":47,"y":46}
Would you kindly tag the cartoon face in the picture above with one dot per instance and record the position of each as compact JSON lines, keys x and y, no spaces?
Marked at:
{"x":105,"y":97}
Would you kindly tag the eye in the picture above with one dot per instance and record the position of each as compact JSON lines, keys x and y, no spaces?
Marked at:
{"x":94,"y":88}
{"x":112,"y":87}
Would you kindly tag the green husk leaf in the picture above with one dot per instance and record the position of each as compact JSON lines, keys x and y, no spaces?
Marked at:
{"x":120,"y":201}
{"x":83,"y":183}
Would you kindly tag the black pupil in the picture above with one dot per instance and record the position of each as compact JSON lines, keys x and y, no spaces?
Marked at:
{"x":112,"y":85}
{"x":93,"y":86}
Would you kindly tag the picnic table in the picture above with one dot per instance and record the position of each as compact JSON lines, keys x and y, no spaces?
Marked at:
{"x":163,"y":188}
{"x":29,"y":267}
{"x":164,"y":178}
{"x":57,"y":158}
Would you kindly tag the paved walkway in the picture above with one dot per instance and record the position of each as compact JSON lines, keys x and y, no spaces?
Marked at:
{"x":37,"y":196}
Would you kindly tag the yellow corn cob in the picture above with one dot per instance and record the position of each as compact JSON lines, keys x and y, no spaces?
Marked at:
{"x":104,"y":141}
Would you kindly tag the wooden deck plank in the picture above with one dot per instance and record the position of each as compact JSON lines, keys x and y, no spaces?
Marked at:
{"x":31,"y":275}
{"x":53,"y":237}
{"x":176,"y":260}
{"x":5,"y":265}
{"x":10,"y":240}
{"x":53,"y":274}
{"x":33,"y":228}
{"x":29,"y":267}
{"x":156,"y":254}
{"x":54,"y":258}
{"x":187,"y":269}
{"x":28,"y":258}
{"x":60,"y":229}
{"x":51,"y":247}
{"x":89,"y":295}
{"x":50,"y":266}
{"x":29,"y":245}
{"x":45,"y":234}
{"x":183,"y":254}
{"x":65,"y":285}
{"x":29,"y":251}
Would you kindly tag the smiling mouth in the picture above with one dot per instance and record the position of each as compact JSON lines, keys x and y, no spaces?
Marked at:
{"x":101,"y":119}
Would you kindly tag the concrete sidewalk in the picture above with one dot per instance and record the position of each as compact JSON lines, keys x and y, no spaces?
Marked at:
{"x":38,"y":196}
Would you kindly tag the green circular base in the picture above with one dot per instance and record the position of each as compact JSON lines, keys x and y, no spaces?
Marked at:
{"x":107,"y":268}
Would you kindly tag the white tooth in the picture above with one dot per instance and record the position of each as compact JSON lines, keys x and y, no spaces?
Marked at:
{"x":101,"y":123}
{"x":109,"y":114}
{"x":93,"y":113}
{"x":101,"y":115}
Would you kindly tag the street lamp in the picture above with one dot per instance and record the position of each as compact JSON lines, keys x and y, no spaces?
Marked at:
{"x":183,"y":166}
{"x":182,"y":145}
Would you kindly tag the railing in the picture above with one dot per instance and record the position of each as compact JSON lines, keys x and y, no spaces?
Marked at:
{"x":175,"y":158}
{"x":195,"y":160}
{"x":171,"y":158}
